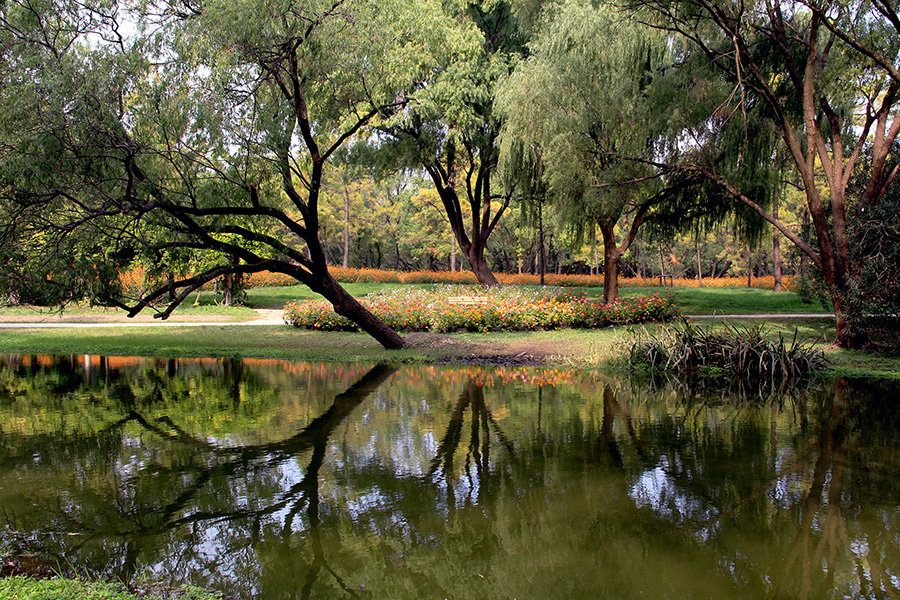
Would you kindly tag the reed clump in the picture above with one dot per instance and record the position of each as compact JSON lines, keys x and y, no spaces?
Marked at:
{"x":742,"y":351}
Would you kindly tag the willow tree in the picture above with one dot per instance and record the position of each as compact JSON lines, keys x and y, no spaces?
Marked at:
{"x":584,"y":106}
{"x":825,"y":75}
{"x":452,"y":128}
{"x":206,"y":126}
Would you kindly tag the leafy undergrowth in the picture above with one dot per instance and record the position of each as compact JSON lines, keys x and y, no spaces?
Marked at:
{"x":59,"y":588}
{"x":470,"y":308}
{"x":744,"y":352}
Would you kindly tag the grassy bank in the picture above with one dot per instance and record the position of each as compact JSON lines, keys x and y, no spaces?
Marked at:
{"x":567,"y":348}
{"x":22,"y":588}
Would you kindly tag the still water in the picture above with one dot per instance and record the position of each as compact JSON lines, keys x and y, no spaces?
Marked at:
{"x":271,"y":480}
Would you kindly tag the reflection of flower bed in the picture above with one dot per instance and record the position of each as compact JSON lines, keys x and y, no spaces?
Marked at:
{"x":502,"y":309}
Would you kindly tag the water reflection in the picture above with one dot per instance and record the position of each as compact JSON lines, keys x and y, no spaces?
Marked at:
{"x":293,"y":480}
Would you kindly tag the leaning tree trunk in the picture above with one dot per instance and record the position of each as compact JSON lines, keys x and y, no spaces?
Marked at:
{"x":347,"y":306}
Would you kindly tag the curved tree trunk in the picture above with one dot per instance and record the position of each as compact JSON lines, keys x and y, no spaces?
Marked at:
{"x":610,"y":264}
{"x":480,"y":267}
{"x":347,"y":306}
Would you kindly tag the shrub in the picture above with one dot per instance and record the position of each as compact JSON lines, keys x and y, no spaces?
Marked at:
{"x":743,"y":352}
{"x":501,"y":309}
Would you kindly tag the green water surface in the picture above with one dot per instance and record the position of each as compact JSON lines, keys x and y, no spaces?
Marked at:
{"x":276,"y":480}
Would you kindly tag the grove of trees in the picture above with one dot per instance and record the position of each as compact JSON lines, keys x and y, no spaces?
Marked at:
{"x":219,"y":138}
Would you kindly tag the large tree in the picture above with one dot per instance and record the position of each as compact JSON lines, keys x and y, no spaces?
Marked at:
{"x":824,"y":74}
{"x":452,"y":129}
{"x":583,"y":110}
{"x":193,"y":125}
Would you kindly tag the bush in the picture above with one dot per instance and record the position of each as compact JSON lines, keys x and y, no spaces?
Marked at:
{"x":500,"y":309}
{"x":740,"y":352}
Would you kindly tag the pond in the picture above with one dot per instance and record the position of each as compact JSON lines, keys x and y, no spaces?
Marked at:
{"x":272,"y":480}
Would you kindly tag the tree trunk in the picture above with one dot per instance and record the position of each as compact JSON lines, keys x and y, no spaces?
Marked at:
{"x":347,"y":306}
{"x":776,"y":247}
{"x":699,"y":264}
{"x":804,"y":232}
{"x":749,"y":266}
{"x":542,"y":251}
{"x":346,"y":258}
{"x":227,"y":281}
{"x":662,"y":267}
{"x":480,"y":267}
{"x":610,"y":264}
{"x":452,"y":253}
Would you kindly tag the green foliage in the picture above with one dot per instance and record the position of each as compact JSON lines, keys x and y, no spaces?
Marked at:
{"x":746,"y":353}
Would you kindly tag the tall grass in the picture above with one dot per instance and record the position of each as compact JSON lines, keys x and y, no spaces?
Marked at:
{"x":745,"y":352}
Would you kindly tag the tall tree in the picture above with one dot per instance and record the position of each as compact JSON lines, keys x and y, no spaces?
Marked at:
{"x":210,"y":128}
{"x":452,"y":129}
{"x":584,"y":106}
{"x":824,"y":75}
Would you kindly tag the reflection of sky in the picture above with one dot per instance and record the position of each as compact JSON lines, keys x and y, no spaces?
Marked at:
{"x":656,"y":489}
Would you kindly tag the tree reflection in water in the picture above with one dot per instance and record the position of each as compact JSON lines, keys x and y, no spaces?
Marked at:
{"x":284,"y":483}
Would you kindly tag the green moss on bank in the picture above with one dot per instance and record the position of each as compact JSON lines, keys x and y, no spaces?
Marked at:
{"x":57,"y":588}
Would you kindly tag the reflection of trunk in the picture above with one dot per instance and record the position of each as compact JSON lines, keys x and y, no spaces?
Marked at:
{"x":608,"y":444}
{"x":820,"y":536}
{"x":233,"y":373}
{"x":239,"y":463}
{"x":478,"y":450}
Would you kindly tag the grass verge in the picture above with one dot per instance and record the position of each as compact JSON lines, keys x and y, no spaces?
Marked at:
{"x":601,"y":348}
{"x":57,"y":588}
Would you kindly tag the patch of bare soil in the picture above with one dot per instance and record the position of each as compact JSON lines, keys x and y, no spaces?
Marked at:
{"x":448,"y":350}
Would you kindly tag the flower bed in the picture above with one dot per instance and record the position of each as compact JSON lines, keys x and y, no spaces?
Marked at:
{"x":137,"y":279}
{"x":350,"y":275}
{"x":503,"y":309}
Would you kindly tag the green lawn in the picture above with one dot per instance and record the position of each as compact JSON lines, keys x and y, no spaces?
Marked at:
{"x":83,"y":312}
{"x":692,"y":301}
{"x":562,"y":348}
{"x":277,"y":297}
{"x":729,"y":301}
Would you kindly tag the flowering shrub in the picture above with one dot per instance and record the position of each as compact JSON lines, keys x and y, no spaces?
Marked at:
{"x":137,"y":278}
{"x":350,"y":275}
{"x":471,"y":308}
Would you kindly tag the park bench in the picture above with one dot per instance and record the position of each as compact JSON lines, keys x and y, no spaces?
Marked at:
{"x":467,"y":300}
